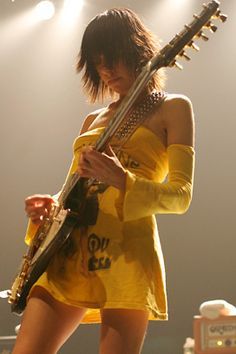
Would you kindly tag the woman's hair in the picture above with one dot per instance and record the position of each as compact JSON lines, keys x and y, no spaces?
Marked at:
{"x":118,"y":35}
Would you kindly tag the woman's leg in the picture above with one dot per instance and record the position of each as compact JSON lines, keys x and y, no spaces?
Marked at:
{"x":123,"y":331}
{"x":46,"y":324}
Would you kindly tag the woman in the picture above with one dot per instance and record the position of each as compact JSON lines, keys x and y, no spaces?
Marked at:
{"x":114,"y":273}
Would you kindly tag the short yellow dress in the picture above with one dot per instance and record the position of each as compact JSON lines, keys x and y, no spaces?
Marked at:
{"x":119,"y":263}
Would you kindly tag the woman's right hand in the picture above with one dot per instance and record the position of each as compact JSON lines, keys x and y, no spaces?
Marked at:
{"x":38,"y":207}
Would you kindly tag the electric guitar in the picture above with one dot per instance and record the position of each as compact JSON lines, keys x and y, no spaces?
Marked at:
{"x":77,"y":203}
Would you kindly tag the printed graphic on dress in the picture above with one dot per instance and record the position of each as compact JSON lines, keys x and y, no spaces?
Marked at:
{"x":98,"y":245}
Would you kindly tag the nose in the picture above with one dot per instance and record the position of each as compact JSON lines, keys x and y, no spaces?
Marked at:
{"x":105,"y":70}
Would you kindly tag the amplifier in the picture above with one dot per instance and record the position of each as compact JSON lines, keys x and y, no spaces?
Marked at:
{"x":213,"y":336}
{"x":6,"y":344}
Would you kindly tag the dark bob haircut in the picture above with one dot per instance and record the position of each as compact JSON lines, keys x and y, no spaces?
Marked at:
{"x":119,"y":35}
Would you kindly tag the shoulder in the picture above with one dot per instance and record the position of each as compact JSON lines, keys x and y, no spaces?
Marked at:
{"x":90,"y":119}
{"x":178,"y":118}
{"x":175,"y":101}
{"x":177,"y":107}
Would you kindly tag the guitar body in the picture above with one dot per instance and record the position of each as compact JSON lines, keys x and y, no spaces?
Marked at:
{"x":50,"y":238}
{"x":57,"y":235}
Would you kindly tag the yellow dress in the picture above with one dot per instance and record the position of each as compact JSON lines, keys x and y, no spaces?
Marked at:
{"x":121,"y":265}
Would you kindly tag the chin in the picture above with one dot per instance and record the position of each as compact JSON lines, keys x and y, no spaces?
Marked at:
{"x":120,"y":90}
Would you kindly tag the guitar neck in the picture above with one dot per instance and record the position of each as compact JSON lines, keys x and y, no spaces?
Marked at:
{"x":70,"y":183}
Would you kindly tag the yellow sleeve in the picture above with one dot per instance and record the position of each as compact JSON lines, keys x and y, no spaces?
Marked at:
{"x":144,"y":197}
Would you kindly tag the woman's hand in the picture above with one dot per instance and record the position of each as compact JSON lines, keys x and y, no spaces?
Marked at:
{"x":104,"y":167}
{"x":38,"y":207}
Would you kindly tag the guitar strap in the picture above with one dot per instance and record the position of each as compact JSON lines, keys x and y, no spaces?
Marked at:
{"x":136,"y":118}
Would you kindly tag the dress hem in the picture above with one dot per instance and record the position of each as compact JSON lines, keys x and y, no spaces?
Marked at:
{"x":93,"y":313}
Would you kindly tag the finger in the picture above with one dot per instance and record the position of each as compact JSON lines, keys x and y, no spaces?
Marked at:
{"x":86,"y":150}
{"x":96,"y":158}
{"x":30,"y":209}
{"x":95,"y":164}
{"x":37,"y":220}
{"x":84,"y":162}
{"x":37,"y":212}
{"x":41,"y":198}
{"x":92,"y":170}
{"x":109,"y":151}
{"x":85,"y":172}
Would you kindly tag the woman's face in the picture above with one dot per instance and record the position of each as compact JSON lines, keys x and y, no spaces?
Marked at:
{"x":118,"y":77}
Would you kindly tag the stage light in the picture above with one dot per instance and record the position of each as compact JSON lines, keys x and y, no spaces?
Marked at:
{"x":71,"y":10}
{"x":45,"y":10}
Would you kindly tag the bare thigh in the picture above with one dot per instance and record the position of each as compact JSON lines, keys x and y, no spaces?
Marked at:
{"x":123,"y":331}
{"x":46,"y":324}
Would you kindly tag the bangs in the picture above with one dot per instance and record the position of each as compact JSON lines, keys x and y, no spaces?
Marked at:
{"x":117,"y":35}
{"x":110,"y":37}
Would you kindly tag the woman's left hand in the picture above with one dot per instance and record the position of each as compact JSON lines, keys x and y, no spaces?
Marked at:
{"x":104,"y":167}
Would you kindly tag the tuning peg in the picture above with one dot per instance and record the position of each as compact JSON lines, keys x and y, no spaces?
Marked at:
{"x":202,"y":35}
{"x":184,"y":55}
{"x":221,"y":16}
{"x":192,"y":45}
{"x":176,"y":64}
{"x":211,"y":26}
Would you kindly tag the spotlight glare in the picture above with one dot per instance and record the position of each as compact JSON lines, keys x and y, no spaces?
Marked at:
{"x":45,"y":10}
{"x":71,"y":10}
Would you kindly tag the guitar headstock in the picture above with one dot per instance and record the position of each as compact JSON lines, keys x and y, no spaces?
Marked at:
{"x":186,"y":38}
{"x":166,"y":57}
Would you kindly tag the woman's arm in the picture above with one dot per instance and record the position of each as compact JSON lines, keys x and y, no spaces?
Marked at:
{"x":143,"y":197}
